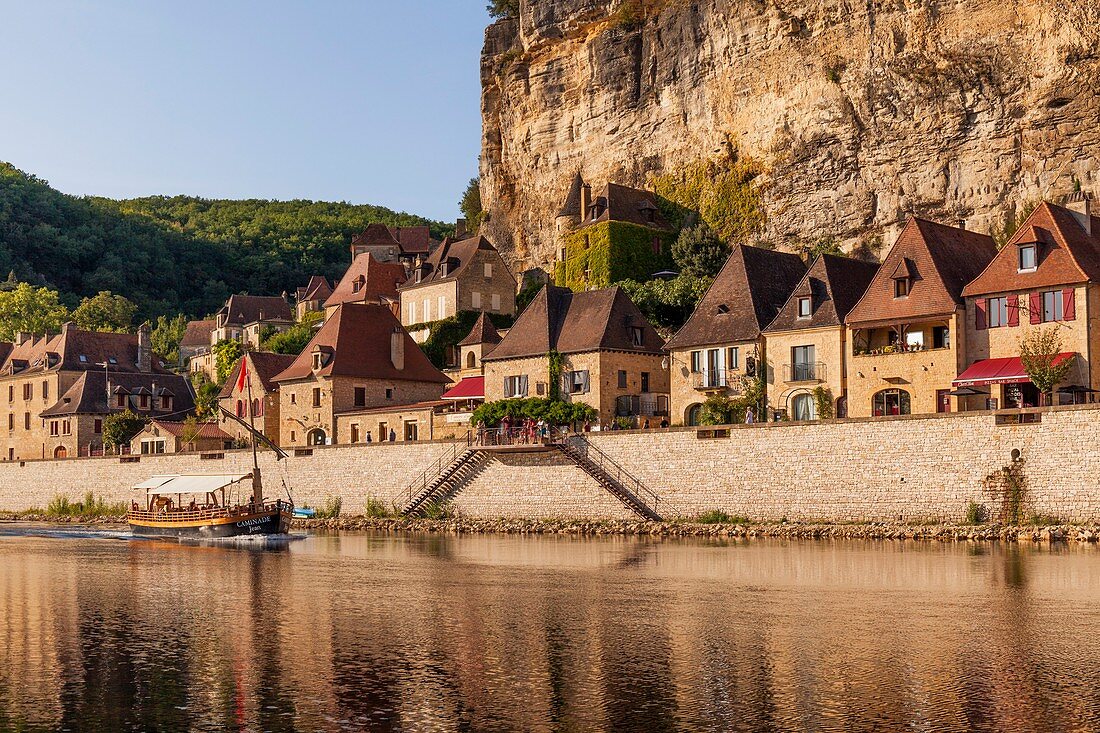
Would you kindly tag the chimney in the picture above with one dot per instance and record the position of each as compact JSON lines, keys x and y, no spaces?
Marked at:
{"x":397,"y":348}
{"x":586,"y":200}
{"x":67,"y":326}
{"x":144,"y":349}
{"x":1079,"y":204}
{"x":22,"y":337}
{"x":460,"y":229}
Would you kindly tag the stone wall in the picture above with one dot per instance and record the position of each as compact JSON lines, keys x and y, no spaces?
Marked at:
{"x":913,"y":469}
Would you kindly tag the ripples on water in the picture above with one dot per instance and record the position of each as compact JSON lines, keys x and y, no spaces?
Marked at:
{"x":362,"y":632}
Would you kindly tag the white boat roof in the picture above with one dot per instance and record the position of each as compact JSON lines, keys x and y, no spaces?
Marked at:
{"x":189,"y":483}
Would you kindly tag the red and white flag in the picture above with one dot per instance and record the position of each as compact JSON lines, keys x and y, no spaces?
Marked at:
{"x":242,"y":379}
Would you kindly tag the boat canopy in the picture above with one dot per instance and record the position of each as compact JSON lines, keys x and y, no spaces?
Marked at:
{"x":190,"y":484}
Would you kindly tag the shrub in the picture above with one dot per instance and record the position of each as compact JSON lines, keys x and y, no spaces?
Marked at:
{"x":698,"y":252}
{"x":375,"y":508}
{"x":555,"y":412}
{"x":439,"y":510}
{"x":719,"y":517}
{"x":91,"y":507}
{"x":721,"y":190}
{"x":331,"y":508}
{"x":975,"y":513}
{"x":823,"y":401}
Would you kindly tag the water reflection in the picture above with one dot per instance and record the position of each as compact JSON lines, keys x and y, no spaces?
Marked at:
{"x":363,"y":632}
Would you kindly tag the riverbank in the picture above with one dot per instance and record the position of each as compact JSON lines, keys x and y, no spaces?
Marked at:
{"x":779,"y":530}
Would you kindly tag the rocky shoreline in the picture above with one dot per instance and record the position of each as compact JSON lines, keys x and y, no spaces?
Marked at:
{"x":582,"y":528}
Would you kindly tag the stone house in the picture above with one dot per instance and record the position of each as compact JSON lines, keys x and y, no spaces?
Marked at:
{"x":1047,"y":275}
{"x":906,"y":341}
{"x":394,"y":244}
{"x":611,"y":355}
{"x":164,"y":436}
{"x":428,"y":420}
{"x":722,"y":344}
{"x":469,"y":392}
{"x":360,"y":358}
{"x":196,"y":340}
{"x":467,"y":275}
{"x":312,"y":297}
{"x":60,"y":388}
{"x":370,"y":281}
{"x":806,"y":342}
{"x":617,"y":234}
{"x":262,"y":367}
{"x":244,"y":318}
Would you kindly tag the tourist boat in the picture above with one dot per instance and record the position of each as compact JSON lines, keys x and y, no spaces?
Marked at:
{"x":212,"y":505}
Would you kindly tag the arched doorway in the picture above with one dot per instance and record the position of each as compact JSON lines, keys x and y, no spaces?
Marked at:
{"x":316,"y":437}
{"x":803,"y":407}
{"x":61,"y":452}
{"x":842,"y":407}
{"x":694,"y":414}
{"x":890,"y":402}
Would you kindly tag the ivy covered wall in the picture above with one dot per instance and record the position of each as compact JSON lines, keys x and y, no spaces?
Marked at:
{"x":612,"y":251}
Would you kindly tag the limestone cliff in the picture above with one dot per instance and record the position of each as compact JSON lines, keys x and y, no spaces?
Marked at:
{"x":861,"y":111}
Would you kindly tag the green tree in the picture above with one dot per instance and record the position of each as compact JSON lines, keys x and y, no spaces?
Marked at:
{"x":167,"y":335}
{"x":120,"y":427}
{"x":105,"y":311}
{"x":667,"y":304}
{"x":1039,"y":350}
{"x":226,"y":355}
{"x":206,"y":396}
{"x":470,"y":204}
{"x":30,"y":309}
{"x":698,"y":251}
{"x":503,"y":8}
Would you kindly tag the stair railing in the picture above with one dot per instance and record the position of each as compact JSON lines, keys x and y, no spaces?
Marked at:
{"x":435,"y":470}
{"x":623,"y":477}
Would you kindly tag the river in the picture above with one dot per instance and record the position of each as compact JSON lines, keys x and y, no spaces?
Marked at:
{"x":497,"y":633}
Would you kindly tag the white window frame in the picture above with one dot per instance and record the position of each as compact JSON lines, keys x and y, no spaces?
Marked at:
{"x":1034,"y":258}
{"x":805,"y":307}
{"x":1057,"y":310}
{"x":475,"y":299}
{"x":516,"y":385}
{"x":733,"y":358}
{"x":996,"y":312}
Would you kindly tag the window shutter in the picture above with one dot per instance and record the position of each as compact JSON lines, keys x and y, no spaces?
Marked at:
{"x":1014,"y":310}
{"x":584,"y":381}
{"x":523,"y":385}
{"x":1069,"y":307}
{"x":1035,"y":304}
{"x":980,"y":321}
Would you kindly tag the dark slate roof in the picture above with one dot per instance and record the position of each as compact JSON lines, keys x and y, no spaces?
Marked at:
{"x":380,"y":280}
{"x":88,"y":394}
{"x":458,"y":255}
{"x":357,"y":340}
{"x":244,"y":309}
{"x":623,"y":203}
{"x":559,"y":319}
{"x":265,"y":365}
{"x":483,"y":332}
{"x":940,"y":259}
{"x":572,"y":205}
{"x":198,"y":333}
{"x":834,"y":285}
{"x":743,"y":299}
{"x":1067,"y":254}
{"x":410,"y":240}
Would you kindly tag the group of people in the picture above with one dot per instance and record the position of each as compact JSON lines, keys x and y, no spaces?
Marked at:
{"x":525,"y":431}
{"x":392,"y":437}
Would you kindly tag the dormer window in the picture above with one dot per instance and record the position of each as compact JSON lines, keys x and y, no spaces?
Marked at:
{"x":637,"y":336}
{"x":1028,"y":259}
{"x":901,"y":287}
{"x":318,"y":360}
{"x":418,"y":275}
{"x":723,"y":309}
{"x":804,"y":304}
{"x":112,"y":360}
{"x":357,"y":284}
{"x":83,"y":359}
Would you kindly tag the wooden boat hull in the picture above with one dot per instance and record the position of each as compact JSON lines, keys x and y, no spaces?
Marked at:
{"x":274,"y":521}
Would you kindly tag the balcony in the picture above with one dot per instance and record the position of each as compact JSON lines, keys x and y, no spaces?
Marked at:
{"x":718,"y":379}
{"x":807,"y":372}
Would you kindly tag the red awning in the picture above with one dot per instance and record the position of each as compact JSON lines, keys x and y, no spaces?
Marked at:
{"x":469,"y":388}
{"x":1009,"y":370}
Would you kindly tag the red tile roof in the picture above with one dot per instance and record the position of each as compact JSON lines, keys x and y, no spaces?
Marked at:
{"x":410,"y":240}
{"x":265,"y":365}
{"x":316,"y":289}
{"x":378,"y":280}
{"x":834,"y":284}
{"x":205,"y":429}
{"x":88,"y":394}
{"x":76,"y":350}
{"x":198,"y":333}
{"x":940,"y":259}
{"x":1067,"y":254}
{"x":357,"y":341}
{"x":241,"y":310}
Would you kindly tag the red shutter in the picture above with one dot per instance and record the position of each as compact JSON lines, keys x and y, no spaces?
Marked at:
{"x":1035,"y":302}
{"x":1069,"y":307}
{"x":980,"y":321}
{"x":1014,"y":310}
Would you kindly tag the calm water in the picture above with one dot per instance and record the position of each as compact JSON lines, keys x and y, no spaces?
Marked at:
{"x":363,"y":632}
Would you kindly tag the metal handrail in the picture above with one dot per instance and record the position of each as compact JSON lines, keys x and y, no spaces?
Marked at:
{"x":815,"y":371}
{"x":433,"y":471}
{"x":631,"y":484}
{"x":520,"y":435}
{"x":184,"y":515}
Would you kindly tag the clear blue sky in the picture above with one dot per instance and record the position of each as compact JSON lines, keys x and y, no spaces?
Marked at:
{"x":367,"y":101}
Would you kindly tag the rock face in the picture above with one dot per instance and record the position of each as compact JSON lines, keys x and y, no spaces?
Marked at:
{"x":861,"y":112}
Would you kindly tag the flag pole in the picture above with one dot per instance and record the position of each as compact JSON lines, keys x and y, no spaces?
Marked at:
{"x":257,"y":484}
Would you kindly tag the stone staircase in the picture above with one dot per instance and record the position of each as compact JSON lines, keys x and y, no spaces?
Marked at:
{"x":440,"y":480}
{"x":637,"y":497}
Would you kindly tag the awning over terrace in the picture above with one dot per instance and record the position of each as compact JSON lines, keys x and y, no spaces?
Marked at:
{"x":470,"y":388}
{"x":1006,"y":370}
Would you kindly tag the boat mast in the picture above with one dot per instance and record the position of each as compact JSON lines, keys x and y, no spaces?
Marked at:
{"x":257,"y":484}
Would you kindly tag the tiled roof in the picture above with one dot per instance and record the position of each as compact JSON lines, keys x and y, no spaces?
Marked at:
{"x":623,"y":203}
{"x":457,"y":255}
{"x":88,"y":394}
{"x":356,"y":340}
{"x":743,"y":299}
{"x":1067,"y":254}
{"x":316,"y":289}
{"x":198,"y":333}
{"x":559,"y":319}
{"x":940,"y":259}
{"x":244,"y":309}
{"x":265,"y":365}
{"x":77,"y":350}
{"x":834,"y":284}
{"x":410,"y":240}
{"x":379,"y":280}
{"x":179,"y":428}
{"x":572,"y":205}
{"x":483,"y":332}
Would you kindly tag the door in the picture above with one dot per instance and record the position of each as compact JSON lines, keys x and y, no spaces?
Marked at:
{"x":943,"y":400}
{"x":410,"y":430}
{"x":802,"y":363}
{"x":803,"y":407}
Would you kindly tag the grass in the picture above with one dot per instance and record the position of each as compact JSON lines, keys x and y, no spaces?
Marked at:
{"x":375,"y":508}
{"x":718,"y":517}
{"x":91,"y":507}
{"x":439,"y":510}
{"x":330,"y":510}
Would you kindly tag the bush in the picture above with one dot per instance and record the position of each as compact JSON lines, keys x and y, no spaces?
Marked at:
{"x":698,"y":252}
{"x":120,"y":427}
{"x":719,"y":517}
{"x":667,"y":304}
{"x":439,"y":510}
{"x":555,"y":412}
{"x":447,"y":332}
{"x":975,"y":513}
{"x":91,"y":507}
{"x":375,"y":508}
{"x":823,"y":401}
{"x":331,"y":508}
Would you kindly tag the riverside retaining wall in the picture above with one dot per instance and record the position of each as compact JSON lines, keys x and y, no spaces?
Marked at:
{"x":902,"y":469}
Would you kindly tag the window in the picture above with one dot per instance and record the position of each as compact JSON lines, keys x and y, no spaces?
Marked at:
{"x":11,"y":393}
{"x":28,"y":391}
{"x":293,"y":436}
{"x":427,"y":310}
{"x":890,"y":402}
{"x":255,"y":407}
{"x":941,"y":337}
{"x":444,"y":269}
{"x":83,"y":359}
{"x":637,"y":336}
{"x":316,"y":396}
{"x":515,"y":386}
{"x":53,"y":428}
{"x":496,"y":302}
{"x":97,"y":426}
{"x":11,"y":421}
{"x":357,"y":284}
{"x":112,"y":360}
{"x":733,"y":358}
{"x":488,"y":269}
{"x":240,"y":408}
{"x":143,"y":402}
{"x":418,"y":275}
{"x":293,"y":398}
{"x":802,"y":363}
{"x":412,"y":312}
{"x":166,"y":402}
{"x":475,"y":299}
{"x":901,"y":287}
{"x":577,"y":382}
{"x":45,"y":390}
{"x":803,"y":307}
{"x":1052,"y":306}
{"x":997,"y":312}
{"x":914,"y":340}
{"x":355,"y":432}
{"x":389,"y":393}
{"x":66,"y":427}
{"x":471,"y":360}
{"x":360,"y":397}
{"x":562,"y":254}
{"x":696,"y":362}
{"x":622,"y":379}
{"x":645,"y":382}
{"x":26,"y":421}
{"x":411,"y":430}
{"x":151,"y":446}
{"x":121,"y":400}
{"x":803,"y":407}
{"x":1028,"y":259}
{"x":318,"y":361}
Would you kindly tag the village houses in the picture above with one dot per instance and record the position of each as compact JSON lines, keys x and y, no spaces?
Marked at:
{"x":311,"y":297}
{"x":195,"y":341}
{"x":260,"y":367}
{"x":806,"y":342}
{"x":610,"y":356}
{"x":368,"y":280}
{"x":165,"y":436}
{"x":395,"y":244}
{"x":906,"y":335}
{"x":722,"y":344}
